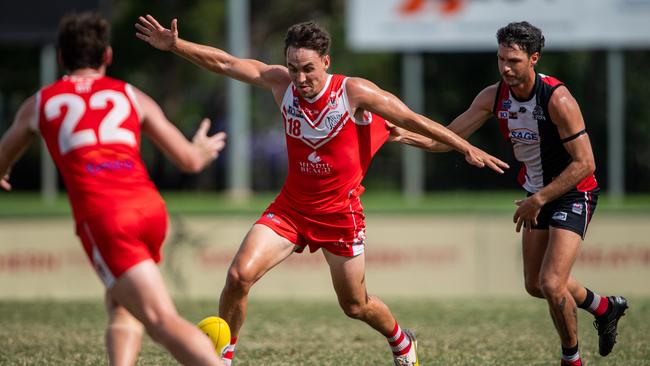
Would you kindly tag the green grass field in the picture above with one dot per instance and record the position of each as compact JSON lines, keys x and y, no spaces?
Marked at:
{"x":472,"y":331}
{"x":451,"y":332}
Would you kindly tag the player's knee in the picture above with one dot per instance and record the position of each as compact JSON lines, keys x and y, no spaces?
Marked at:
{"x":353,"y":310}
{"x":552,"y":287}
{"x":239,"y":280}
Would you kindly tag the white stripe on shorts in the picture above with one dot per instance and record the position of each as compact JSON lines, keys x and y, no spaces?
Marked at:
{"x":584,"y":232}
{"x":359,"y":236}
{"x":101,"y":268}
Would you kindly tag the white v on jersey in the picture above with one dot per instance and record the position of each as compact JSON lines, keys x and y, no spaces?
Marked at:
{"x":329,"y":150}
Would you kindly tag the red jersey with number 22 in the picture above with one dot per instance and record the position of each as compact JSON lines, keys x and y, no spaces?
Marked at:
{"x":329,"y":150}
{"x":91,"y":126}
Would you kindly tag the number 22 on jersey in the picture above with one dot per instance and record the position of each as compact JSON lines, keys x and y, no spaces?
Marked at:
{"x":109,"y":130}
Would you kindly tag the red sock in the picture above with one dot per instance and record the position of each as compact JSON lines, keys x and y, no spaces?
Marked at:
{"x":594,"y":303}
{"x":577,"y":362}
{"x":602,"y":307}
{"x":571,"y":356}
{"x":230,"y":352}
{"x":399,"y":342}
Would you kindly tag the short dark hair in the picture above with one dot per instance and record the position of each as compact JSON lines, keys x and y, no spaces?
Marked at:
{"x":528,"y":37}
{"x":308,"y":35}
{"x":82,"y":39}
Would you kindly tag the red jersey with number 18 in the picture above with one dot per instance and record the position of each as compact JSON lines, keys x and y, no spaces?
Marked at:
{"x":91,"y":126}
{"x":329,"y":150}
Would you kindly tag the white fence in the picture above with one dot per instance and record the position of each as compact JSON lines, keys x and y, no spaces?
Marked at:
{"x":422,"y":256}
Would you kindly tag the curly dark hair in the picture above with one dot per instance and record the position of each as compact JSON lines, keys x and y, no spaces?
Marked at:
{"x":523,"y":34}
{"x":308,"y":35}
{"x":82,"y":39}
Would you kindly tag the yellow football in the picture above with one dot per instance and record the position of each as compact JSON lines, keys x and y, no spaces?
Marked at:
{"x":218,"y":331}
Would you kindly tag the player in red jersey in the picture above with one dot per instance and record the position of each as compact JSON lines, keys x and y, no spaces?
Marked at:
{"x":91,"y":124}
{"x":333,"y":127}
{"x":540,"y":118}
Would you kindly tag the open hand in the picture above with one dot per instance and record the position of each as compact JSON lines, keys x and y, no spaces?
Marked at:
{"x":480,"y":158}
{"x":526,"y":213}
{"x":208,"y":146}
{"x":150,"y":31}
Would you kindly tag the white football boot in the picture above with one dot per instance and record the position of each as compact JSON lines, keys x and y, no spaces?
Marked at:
{"x":411,"y":358}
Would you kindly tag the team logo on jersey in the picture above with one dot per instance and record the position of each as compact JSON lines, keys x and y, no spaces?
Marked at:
{"x":315,"y":166}
{"x":313,"y":158}
{"x":512,"y":115}
{"x":294,"y":112}
{"x":576,"y":208}
{"x":522,"y":109}
{"x":271,"y":216}
{"x":503,"y":114}
{"x":538,"y":113}
{"x":332,"y":119}
{"x":524,"y":136}
{"x":559,"y":216}
{"x":506,"y":103}
{"x":332,"y":101}
{"x":296,"y":102}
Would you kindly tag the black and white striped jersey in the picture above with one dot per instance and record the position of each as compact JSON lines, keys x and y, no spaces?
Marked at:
{"x":535,"y":138}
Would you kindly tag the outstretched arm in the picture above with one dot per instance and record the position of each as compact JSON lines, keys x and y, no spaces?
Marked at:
{"x":16,"y":140}
{"x":254,"y":72}
{"x":565,"y":113}
{"x":189,"y":156}
{"x":364,"y":95}
{"x":464,"y":125}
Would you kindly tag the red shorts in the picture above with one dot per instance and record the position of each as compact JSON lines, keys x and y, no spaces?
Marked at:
{"x":117,"y":241}
{"x":340,"y":233}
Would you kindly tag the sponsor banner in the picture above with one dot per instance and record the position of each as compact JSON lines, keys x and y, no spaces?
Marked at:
{"x":471,"y":25}
{"x":406,"y":255}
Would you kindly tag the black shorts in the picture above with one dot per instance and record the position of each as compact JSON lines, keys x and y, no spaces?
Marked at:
{"x":571,"y":211}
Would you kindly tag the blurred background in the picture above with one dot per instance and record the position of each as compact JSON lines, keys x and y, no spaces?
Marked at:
{"x":449,"y":73}
{"x":439,"y":231}
{"x":449,"y":220}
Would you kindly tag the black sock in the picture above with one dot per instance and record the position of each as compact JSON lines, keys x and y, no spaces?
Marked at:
{"x":588,"y":300}
{"x":568,"y":353}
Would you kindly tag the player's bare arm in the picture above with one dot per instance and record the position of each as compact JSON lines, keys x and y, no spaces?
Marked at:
{"x":364,"y":95}
{"x":565,"y":113}
{"x":191,"y":157}
{"x":473,"y":118}
{"x":406,"y":137}
{"x":16,"y":140}
{"x":464,"y":125}
{"x":254,"y":72}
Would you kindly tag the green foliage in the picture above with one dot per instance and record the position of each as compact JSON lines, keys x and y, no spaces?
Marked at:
{"x":187,"y":93}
